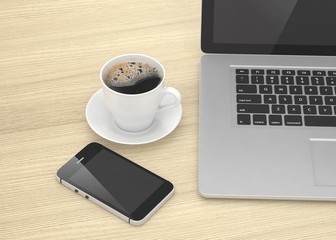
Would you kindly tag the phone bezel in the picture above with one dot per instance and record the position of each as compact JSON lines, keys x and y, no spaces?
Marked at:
{"x":88,"y":152}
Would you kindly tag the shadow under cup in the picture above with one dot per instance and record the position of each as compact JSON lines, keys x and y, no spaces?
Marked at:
{"x":136,"y":112}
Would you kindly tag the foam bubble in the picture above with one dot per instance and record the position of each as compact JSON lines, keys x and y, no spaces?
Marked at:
{"x":129,"y":73}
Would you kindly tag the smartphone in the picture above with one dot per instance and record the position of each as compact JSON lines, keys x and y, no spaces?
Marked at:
{"x":115,"y":183}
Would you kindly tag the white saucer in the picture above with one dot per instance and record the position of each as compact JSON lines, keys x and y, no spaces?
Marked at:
{"x":101,"y":122}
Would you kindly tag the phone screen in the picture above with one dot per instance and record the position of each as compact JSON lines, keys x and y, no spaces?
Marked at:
{"x":116,"y":181}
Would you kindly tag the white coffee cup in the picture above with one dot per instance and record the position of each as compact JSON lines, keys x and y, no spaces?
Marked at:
{"x":136,"y":112}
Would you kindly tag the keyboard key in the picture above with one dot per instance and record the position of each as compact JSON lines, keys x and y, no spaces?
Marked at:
{"x":243,"y":119}
{"x":315,"y":100}
{"x":325,"y":110}
{"x":302,"y":80}
{"x":294,"y":109}
{"x":287,"y":80}
{"x":319,"y":73}
{"x":242,"y":71}
{"x":285,"y":99}
{"x":280,"y":89}
{"x":317,"y":81}
{"x":330,"y":100}
{"x":270,"y":99}
{"x":331,"y":81}
{"x":273,"y":72}
{"x":258,"y":71}
{"x":259,"y":120}
{"x":293,"y":120}
{"x":248,"y":98}
{"x":257,"y":79}
{"x":331,"y":73}
{"x":295,"y":89}
{"x":265,"y":89}
{"x":272,"y":79}
{"x":246,"y":88}
{"x":326,"y":91}
{"x":275,"y":120}
{"x":278,"y":109}
{"x":300,"y":99}
{"x":304,"y":72}
{"x":320,"y":121}
{"x":288,"y":72}
{"x":242,"y":79}
{"x":310,"y":90}
{"x":252,"y":108}
{"x":309,"y":109}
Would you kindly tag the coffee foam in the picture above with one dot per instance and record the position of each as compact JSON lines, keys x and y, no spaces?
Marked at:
{"x":129,"y":74}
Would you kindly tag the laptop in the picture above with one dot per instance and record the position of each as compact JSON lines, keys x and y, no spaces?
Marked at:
{"x":268,"y":99}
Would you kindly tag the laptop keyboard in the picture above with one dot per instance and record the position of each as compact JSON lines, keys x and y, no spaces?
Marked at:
{"x":286,"y":97}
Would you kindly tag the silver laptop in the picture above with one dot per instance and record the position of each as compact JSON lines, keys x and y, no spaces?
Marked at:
{"x":268,"y":99}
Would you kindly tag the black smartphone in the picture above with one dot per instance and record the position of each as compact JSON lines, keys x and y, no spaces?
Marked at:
{"x":115,"y":183}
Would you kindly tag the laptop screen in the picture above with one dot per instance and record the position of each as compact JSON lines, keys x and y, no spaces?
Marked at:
{"x":306,"y":27}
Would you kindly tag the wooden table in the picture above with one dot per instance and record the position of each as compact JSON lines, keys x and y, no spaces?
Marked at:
{"x":51,"y":53}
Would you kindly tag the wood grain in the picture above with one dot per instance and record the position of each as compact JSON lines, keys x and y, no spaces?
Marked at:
{"x":51,"y":54}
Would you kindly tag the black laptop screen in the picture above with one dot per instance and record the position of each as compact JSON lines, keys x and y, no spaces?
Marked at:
{"x":269,"y":26}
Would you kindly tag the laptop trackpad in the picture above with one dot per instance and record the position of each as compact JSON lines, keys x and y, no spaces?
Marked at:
{"x":324,"y":161}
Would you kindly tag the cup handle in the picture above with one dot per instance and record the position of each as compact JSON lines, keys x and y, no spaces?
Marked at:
{"x":173,"y":92}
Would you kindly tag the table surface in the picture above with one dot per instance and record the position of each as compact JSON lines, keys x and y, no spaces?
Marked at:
{"x":51,"y":54}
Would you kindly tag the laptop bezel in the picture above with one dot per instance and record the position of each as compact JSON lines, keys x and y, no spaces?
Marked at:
{"x":208,"y":45}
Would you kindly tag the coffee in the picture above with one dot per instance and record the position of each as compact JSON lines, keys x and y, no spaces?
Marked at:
{"x":132,"y":77}
{"x":138,"y":91}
